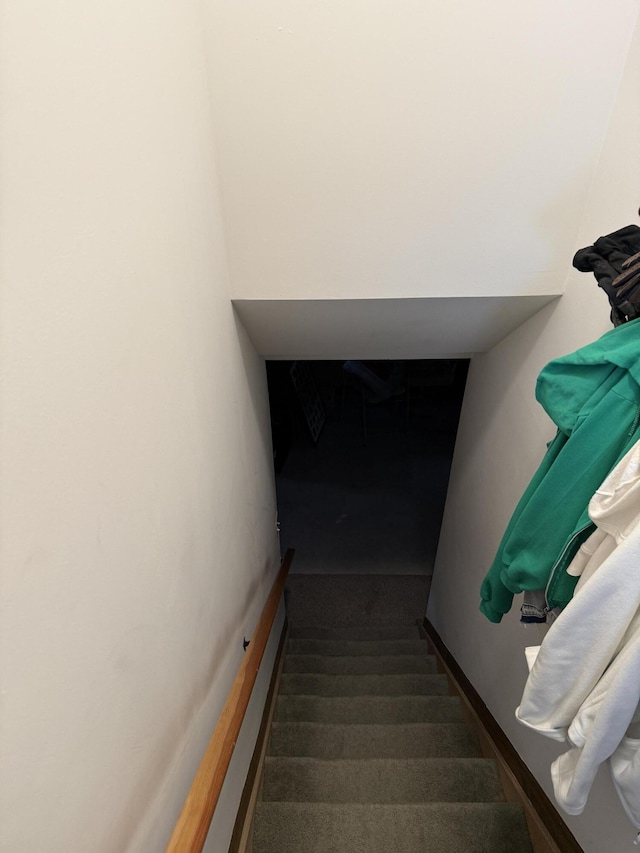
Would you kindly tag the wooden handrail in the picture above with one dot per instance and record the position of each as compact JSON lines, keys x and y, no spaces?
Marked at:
{"x":190,"y":831}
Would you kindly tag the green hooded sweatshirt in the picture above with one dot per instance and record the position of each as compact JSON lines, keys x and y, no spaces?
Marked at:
{"x":593,"y":397}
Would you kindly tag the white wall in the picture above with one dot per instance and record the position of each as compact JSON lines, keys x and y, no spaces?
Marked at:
{"x":377,"y":148}
{"x":137,"y":503}
{"x":500,"y":443}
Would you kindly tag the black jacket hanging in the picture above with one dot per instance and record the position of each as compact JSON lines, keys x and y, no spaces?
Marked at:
{"x":615,"y":261}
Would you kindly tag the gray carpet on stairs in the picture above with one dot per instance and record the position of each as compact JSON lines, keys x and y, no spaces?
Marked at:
{"x":360,"y":664}
{"x":337,"y":601}
{"x":368,"y":753}
{"x":405,"y":740}
{"x":370,"y":684}
{"x":368,"y":709}
{"x":360,"y":632}
{"x":355,"y":648}
{"x":381,"y":780}
{"x":382,"y":828}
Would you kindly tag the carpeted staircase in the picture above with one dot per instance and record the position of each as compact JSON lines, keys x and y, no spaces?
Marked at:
{"x":368,"y":752}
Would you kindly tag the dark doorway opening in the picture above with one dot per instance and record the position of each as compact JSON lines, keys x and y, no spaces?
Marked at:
{"x":362,"y":454}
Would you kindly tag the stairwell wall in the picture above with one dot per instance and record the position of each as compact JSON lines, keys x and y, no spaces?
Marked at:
{"x":137,"y":524}
{"x":377,"y":150}
{"x":500,"y":443}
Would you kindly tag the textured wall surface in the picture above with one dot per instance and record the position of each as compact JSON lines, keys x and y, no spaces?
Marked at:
{"x":137,"y":503}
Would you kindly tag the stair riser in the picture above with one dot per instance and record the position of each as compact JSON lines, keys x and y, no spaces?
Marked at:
{"x":363,"y":685}
{"x":369,"y":754}
{"x":362,"y":665}
{"x":368,"y":709}
{"x":357,"y":647}
{"x":354,"y":633}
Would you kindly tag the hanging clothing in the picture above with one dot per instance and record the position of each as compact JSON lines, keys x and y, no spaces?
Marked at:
{"x":593,"y":397}
{"x":584,"y":684}
{"x":615,"y":510}
{"x":613,"y":261}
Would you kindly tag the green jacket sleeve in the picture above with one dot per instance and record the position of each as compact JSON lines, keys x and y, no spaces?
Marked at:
{"x":552,"y":514}
{"x":496,"y":596}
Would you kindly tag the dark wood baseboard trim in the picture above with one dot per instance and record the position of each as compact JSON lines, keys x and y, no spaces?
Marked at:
{"x":242,"y":830}
{"x":549,"y":833}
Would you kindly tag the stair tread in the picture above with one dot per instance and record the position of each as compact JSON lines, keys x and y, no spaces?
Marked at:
{"x":392,"y":684}
{"x":404,"y":740}
{"x":360,"y":664}
{"x":368,"y":709}
{"x":381,"y":780}
{"x":379,"y":828}
{"x":355,"y":633}
{"x":357,"y":647}
{"x":368,"y":753}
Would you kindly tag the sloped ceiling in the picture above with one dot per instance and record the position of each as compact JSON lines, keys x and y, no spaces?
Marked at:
{"x":433,"y":327}
{"x":394,"y":149}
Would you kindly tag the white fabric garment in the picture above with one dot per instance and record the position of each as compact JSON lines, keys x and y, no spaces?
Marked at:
{"x":598,"y":731}
{"x":531,"y":653}
{"x":615,"y":509}
{"x":584,"y":685}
